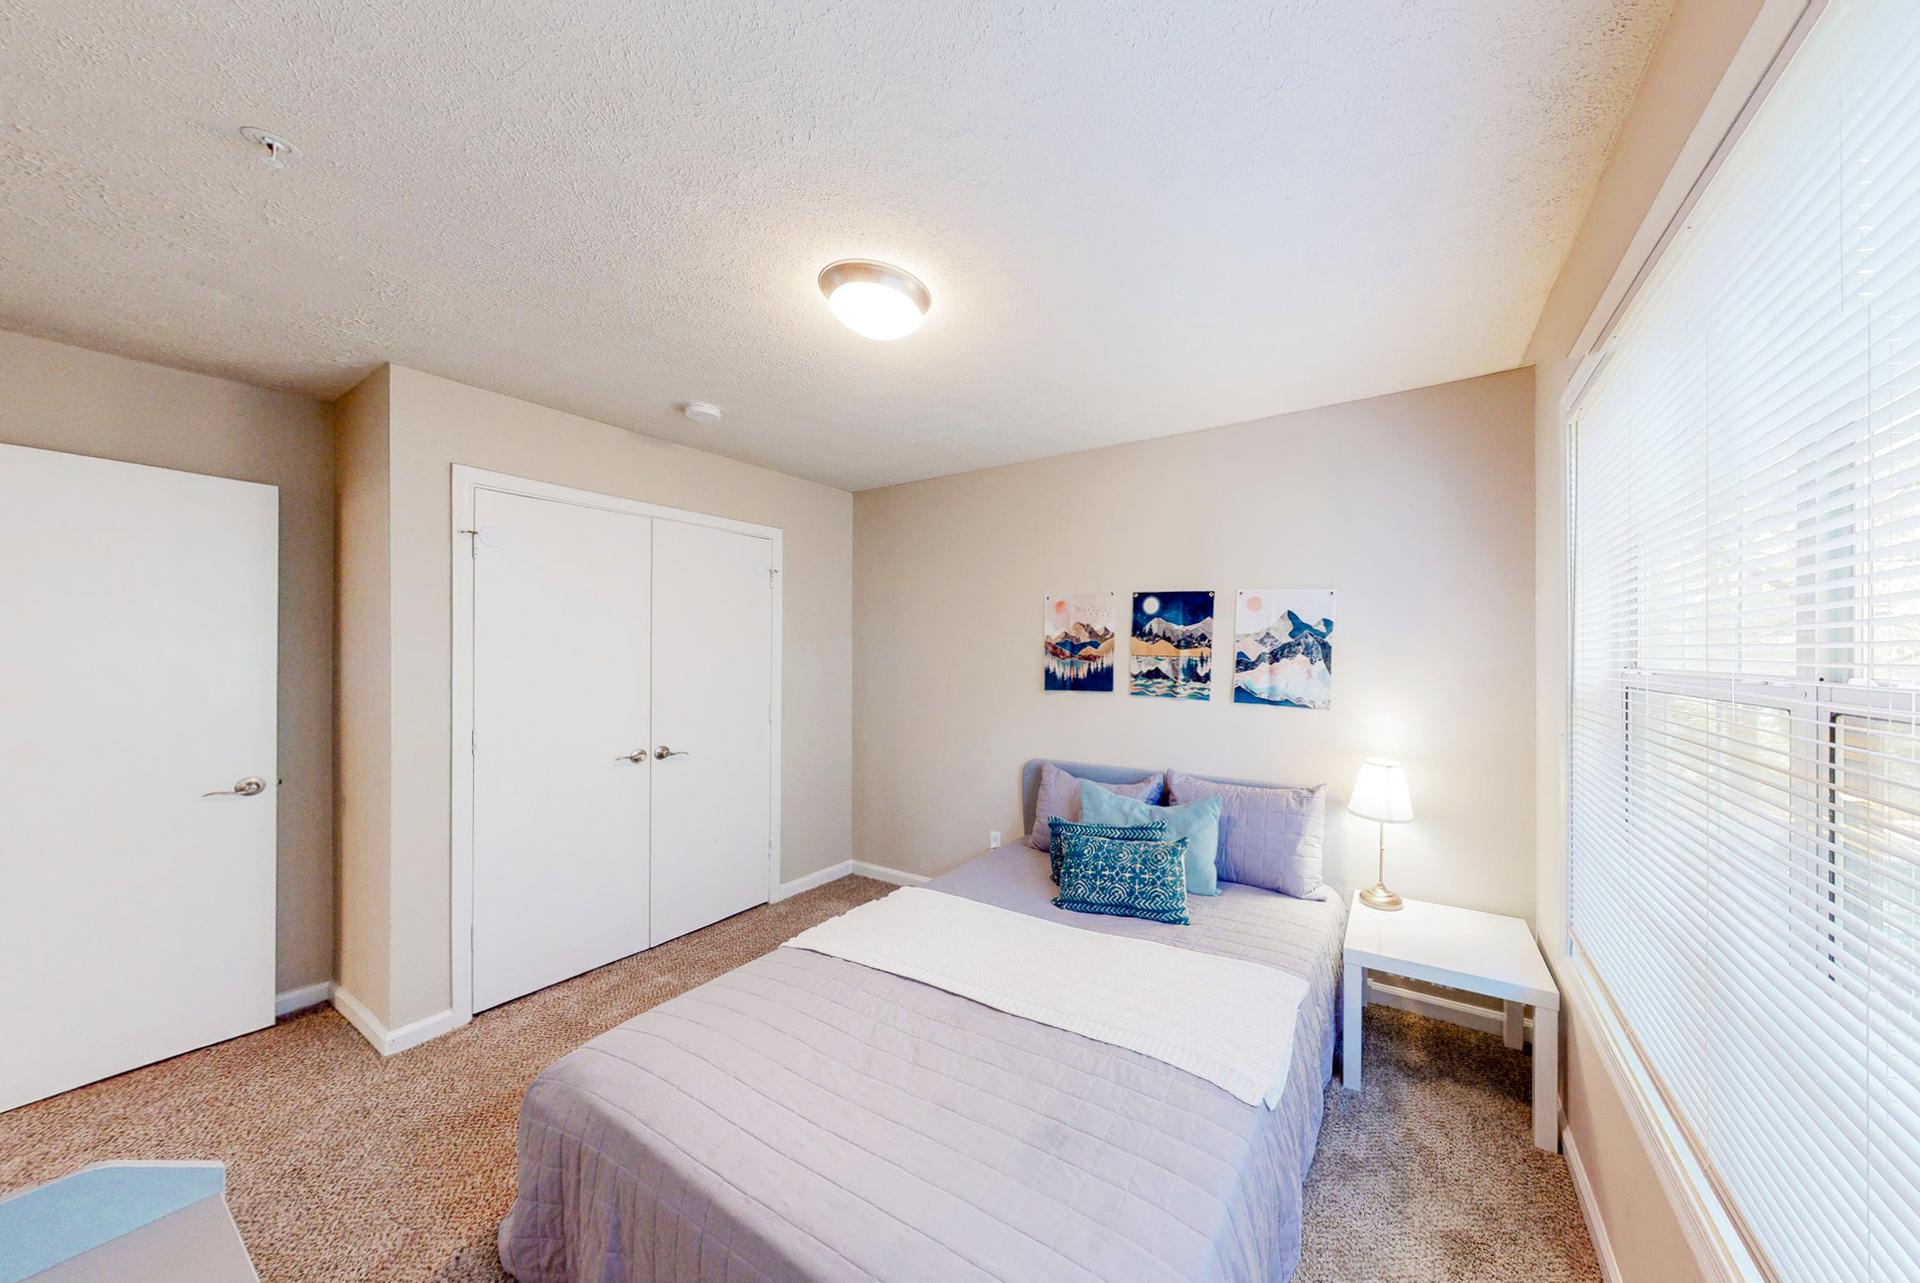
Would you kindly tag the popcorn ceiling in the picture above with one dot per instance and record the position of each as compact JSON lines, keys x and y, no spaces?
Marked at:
{"x":1135,"y":219}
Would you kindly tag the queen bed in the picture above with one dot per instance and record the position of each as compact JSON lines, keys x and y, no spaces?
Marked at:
{"x":805,"y":1117}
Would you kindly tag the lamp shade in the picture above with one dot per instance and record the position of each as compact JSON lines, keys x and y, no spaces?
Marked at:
{"x":1380,"y":792}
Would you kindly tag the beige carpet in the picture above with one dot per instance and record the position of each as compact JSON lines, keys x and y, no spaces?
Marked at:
{"x":345,"y":1166}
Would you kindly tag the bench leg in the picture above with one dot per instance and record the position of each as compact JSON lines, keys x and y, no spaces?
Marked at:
{"x":1515,"y":1031}
{"x":1354,"y":991}
{"x":1546,"y":1079}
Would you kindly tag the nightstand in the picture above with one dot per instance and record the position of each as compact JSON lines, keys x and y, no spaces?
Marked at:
{"x":1483,"y":953}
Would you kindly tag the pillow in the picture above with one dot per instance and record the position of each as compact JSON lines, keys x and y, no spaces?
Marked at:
{"x":1270,"y":838}
{"x":1129,"y":879}
{"x":1059,"y":794}
{"x":1155,"y":831}
{"x":1199,"y":823}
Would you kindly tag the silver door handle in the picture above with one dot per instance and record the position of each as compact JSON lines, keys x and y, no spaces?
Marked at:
{"x":252,"y":786}
{"x":663,"y":753}
{"x":638,"y":755}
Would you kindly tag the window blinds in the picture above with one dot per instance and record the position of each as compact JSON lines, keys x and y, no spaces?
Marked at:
{"x":1744,"y":739}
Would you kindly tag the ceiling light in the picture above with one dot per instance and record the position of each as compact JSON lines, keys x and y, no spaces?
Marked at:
{"x":874,"y":299}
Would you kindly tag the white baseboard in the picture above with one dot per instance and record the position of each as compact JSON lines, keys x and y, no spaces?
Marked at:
{"x":1583,"y":1190}
{"x":390,"y":1041}
{"x":820,"y":878}
{"x":858,"y":868}
{"x":1488,"y":1020}
{"x":291,"y":1000}
{"x":360,"y":1018}
{"x":899,"y":877}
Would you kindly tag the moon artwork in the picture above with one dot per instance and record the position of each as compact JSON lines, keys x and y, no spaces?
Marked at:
{"x":1170,"y":651}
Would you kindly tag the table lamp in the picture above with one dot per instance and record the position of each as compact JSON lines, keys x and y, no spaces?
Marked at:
{"x":1380,"y":793}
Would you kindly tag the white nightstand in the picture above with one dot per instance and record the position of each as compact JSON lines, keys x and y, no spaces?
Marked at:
{"x":1482,"y":953}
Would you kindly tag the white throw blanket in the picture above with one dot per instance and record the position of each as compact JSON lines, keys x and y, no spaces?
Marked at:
{"x":1221,"y":1019}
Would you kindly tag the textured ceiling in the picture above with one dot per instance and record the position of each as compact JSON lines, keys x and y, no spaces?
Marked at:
{"x":1136,"y":218}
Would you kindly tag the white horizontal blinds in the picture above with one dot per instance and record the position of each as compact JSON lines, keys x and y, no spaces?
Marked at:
{"x":1745,"y":724}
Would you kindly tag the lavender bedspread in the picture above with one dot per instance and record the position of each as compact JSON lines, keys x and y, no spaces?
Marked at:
{"x":805,"y":1118}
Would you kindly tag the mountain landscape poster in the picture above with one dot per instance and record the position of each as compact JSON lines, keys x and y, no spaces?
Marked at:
{"x":1283,"y":648}
{"x":1078,"y":632}
{"x":1171,"y":650}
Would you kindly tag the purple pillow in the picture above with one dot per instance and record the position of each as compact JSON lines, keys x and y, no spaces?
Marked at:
{"x":1269,"y":838}
{"x":1059,"y":795}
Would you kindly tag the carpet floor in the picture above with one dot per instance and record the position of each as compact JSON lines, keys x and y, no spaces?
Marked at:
{"x":342,"y":1165}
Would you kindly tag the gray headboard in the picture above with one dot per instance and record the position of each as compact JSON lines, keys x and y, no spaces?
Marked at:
{"x":1030,"y":780}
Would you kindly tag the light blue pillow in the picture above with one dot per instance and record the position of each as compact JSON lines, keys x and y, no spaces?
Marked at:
{"x":1198,"y":822}
{"x":1128,"y":879}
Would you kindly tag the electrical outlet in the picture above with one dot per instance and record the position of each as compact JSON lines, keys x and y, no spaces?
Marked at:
{"x":993,"y":838}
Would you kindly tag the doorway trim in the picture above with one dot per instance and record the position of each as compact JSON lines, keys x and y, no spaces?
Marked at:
{"x":468,"y":482}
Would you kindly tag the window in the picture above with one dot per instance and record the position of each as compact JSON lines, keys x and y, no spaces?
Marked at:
{"x":1744,"y":734}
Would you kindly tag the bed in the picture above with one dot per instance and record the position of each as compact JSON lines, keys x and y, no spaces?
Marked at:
{"x":807,"y":1118}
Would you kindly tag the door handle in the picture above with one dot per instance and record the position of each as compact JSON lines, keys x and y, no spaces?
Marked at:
{"x":252,"y":786}
{"x":663,"y":753}
{"x":638,"y":755}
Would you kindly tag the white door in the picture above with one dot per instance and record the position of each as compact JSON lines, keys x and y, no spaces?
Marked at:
{"x":712,"y":714}
{"x":560,"y":728}
{"x":137,"y":672}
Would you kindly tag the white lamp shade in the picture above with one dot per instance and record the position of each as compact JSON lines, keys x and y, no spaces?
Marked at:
{"x":1380,"y":792}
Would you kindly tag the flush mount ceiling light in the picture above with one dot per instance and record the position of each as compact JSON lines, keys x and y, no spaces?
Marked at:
{"x":875,"y":300}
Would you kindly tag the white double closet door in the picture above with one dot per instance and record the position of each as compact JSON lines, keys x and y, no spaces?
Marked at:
{"x":622,"y":742}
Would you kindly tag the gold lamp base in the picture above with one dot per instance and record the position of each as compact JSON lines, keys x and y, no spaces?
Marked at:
{"x":1378,"y":897}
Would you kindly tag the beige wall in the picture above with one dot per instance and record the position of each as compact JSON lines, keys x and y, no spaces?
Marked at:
{"x":435,"y":423}
{"x":363,"y":755}
{"x":67,"y":398}
{"x":1700,"y":41}
{"x":1417,"y":509}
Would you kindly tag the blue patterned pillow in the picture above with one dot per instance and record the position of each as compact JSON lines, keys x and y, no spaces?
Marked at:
{"x":1131,"y":879}
{"x":1153,"y":830}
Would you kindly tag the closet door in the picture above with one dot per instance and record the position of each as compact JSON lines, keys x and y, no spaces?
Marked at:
{"x":712,"y":718}
{"x":561,"y":732}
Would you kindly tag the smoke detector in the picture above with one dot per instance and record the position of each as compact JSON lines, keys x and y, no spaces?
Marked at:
{"x":701,"y":411}
{"x":275,"y":150}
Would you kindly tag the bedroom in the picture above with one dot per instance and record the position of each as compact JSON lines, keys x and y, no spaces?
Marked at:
{"x":503,"y":594}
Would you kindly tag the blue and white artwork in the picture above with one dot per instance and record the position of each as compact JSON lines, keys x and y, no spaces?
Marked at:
{"x":1171,"y":646}
{"x":1283,"y":647}
{"x":1078,"y":636}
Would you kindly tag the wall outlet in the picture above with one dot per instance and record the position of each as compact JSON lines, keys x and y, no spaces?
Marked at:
{"x":993,"y":838}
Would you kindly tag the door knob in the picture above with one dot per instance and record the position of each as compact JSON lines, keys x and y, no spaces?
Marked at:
{"x":252,"y":786}
{"x":663,"y":752}
{"x":638,"y":755}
